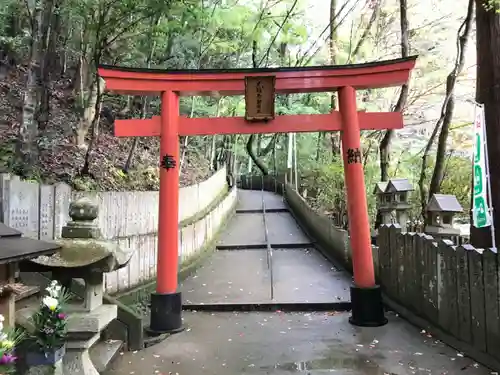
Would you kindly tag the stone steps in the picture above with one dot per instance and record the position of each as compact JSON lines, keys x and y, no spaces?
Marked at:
{"x":104,"y":352}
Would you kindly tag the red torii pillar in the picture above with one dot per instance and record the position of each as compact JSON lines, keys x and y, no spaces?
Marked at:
{"x":166,"y":303}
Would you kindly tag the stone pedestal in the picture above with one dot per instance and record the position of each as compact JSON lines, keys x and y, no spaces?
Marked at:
{"x":402,"y":218}
{"x":387,"y":216}
{"x":84,"y":330}
{"x":84,"y":326}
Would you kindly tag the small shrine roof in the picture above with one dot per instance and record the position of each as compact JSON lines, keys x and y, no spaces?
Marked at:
{"x":444,"y":203}
{"x":14,"y":247}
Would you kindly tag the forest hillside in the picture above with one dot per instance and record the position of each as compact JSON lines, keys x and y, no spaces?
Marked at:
{"x":57,"y":121}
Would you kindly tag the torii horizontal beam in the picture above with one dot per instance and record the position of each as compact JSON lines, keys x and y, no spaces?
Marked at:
{"x":206,"y":82}
{"x":238,"y":125}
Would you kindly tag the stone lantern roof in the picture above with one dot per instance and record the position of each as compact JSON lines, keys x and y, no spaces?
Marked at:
{"x":380,"y":187}
{"x":398,"y":185}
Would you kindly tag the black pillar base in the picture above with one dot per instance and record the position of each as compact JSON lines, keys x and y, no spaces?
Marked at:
{"x":367,"y":307}
{"x":166,"y":313}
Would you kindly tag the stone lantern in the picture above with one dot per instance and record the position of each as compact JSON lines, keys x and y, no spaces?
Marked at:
{"x":84,"y":254}
{"x":383,"y":202}
{"x":392,"y":198}
{"x":440,"y":212}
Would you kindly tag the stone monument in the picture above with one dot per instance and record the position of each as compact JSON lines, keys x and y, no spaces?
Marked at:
{"x":83,"y":255}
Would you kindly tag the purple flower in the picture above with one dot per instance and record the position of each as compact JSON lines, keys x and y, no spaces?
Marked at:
{"x":7,"y":359}
{"x":61,"y":316}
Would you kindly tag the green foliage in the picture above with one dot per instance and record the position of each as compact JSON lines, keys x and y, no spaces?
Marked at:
{"x":458,"y":181}
{"x":492,"y":5}
{"x":227,"y":34}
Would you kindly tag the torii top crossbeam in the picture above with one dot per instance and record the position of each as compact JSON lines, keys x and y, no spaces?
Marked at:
{"x":133,"y":81}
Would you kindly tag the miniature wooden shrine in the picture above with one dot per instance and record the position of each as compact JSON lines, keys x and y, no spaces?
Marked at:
{"x":13,"y":249}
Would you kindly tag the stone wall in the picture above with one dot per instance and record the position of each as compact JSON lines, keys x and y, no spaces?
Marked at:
{"x":130,"y":218}
{"x":329,"y":237}
{"x":192,"y":237}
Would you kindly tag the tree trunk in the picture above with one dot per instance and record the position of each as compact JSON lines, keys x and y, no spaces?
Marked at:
{"x":43,"y":110}
{"x":94,"y":126}
{"x":145,"y":99}
{"x":27,"y":148}
{"x":58,"y":40}
{"x":332,"y":44}
{"x":447,"y":114}
{"x":488,"y":93}
{"x":80,"y":79}
{"x":445,"y":119}
{"x":385,"y":144}
{"x":259,"y":163}
{"x":88,"y":111}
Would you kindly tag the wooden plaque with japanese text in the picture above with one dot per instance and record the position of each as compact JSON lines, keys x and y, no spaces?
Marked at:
{"x":259,"y":98}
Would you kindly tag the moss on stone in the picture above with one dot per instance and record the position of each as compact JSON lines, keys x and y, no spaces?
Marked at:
{"x":200,"y":215}
{"x":77,"y":253}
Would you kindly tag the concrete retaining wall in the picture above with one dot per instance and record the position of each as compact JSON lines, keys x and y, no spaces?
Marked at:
{"x":129,"y":218}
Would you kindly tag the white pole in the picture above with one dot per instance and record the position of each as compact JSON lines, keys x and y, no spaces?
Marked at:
{"x":249,"y":165}
{"x":295,"y":159}
{"x":487,"y":162}
{"x":289,"y":161}
{"x":290,"y":152}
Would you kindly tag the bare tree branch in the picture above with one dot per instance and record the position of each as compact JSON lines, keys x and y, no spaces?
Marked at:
{"x":446,"y":117}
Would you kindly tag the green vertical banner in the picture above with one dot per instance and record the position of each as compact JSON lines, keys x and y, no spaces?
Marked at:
{"x":481,"y":212}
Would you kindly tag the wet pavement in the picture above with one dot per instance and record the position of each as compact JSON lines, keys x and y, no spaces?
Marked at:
{"x":243,"y":276}
{"x":251,"y":200}
{"x":278,"y":343}
{"x":294,"y":343}
{"x":240,"y":271}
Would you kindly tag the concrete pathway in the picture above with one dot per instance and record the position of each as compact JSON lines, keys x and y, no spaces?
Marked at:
{"x":242,"y":276}
{"x":277,"y":342}
{"x":240,"y":271}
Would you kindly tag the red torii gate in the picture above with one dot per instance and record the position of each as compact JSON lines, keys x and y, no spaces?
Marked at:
{"x":166,"y":303}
